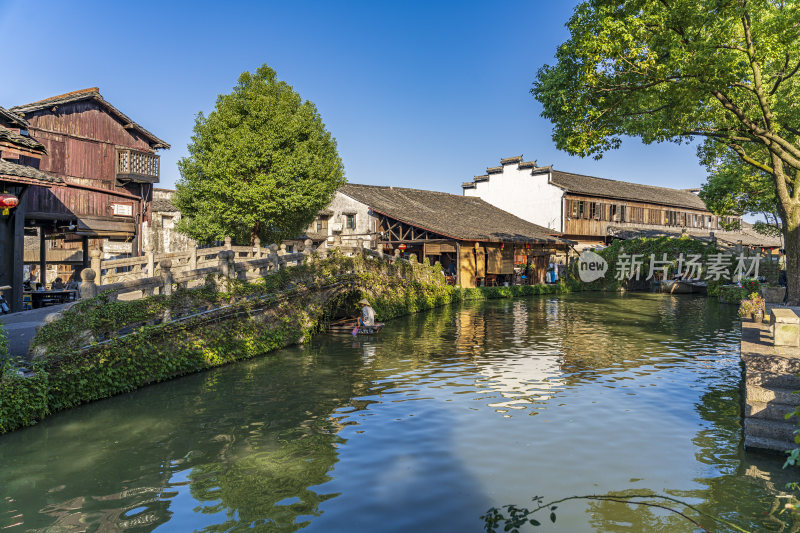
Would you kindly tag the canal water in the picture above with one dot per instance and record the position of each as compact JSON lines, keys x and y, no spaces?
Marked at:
{"x":421,"y":428}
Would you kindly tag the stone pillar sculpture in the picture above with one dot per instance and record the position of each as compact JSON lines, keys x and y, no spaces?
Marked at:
{"x":166,"y":276}
{"x":88,"y":287}
{"x":94,"y":257}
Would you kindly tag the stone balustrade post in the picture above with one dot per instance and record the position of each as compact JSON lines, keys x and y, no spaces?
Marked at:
{"x":308,"y":248}
{"x":228,"y":244}
{"x":337,"y":241}
{"x":380,"y":252}
{"x":151,"y":260}
{"x":412,"y":259}
{"x":282,"y":250}
{"x":95,"y":258}
{"x":225,"y":263}
{"x":396,"y":254}
{"x":88,"y":288}
{"x":257,"y":248}
{"x":166,"y":276}
{"x":360,"y":245}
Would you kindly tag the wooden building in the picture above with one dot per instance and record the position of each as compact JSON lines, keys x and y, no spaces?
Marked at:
{"x":19,"y":156}
{"x":476,"y":243}
{"x":585,"y":208}
{"x":108,"y":164}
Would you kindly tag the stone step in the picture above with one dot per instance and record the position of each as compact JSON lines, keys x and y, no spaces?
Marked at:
{"x":770,"y":410}
{"x":772,"y":380}
{"x":756,"y":393}
{"x":771,"y":429}
{"x":765,"y":444}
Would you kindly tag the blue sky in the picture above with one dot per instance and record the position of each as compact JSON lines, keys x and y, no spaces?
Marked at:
{"x":417,"y":94}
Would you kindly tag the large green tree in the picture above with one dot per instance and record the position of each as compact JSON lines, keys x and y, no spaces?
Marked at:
{"x":261,"y":164}
{"x":674,"y":70}
{"x":734,"y":187}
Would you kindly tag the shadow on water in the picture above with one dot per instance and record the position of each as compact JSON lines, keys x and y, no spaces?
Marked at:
{"x":421,"y":428}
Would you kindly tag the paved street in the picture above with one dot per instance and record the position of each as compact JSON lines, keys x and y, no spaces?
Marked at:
{"x":21,"y":327}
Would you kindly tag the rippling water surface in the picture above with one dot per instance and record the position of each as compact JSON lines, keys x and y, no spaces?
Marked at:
{"x":421,"y":428}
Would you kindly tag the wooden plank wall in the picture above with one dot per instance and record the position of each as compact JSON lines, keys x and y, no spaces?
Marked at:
{"x":81,"y":139}
{"x":585,"y":226}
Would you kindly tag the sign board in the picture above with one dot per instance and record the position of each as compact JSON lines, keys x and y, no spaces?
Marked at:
{"x":122,"y":210}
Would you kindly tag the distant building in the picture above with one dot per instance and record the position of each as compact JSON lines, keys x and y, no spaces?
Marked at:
{"x":160,"y":231}
{"x":473,"y":240}
{"x":587,"y":209}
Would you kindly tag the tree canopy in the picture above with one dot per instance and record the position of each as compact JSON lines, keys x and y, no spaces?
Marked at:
{"x":735,"y":188}
{"x":674,"y":70}
{"x":261,"y":164}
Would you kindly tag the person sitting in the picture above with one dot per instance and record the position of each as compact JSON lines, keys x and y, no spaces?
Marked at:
{"x":74,"y":282}
{"x":367,"y":318}
{"x":57,"y":285}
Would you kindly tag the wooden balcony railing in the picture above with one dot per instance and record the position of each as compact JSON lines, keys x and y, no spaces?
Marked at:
{"x":140,"y":167}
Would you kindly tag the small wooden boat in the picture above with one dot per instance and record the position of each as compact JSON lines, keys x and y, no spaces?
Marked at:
{"x":348,"y":325}
{"x":681,"y":286}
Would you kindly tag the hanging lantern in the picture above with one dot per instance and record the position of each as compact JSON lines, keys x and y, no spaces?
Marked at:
{"x":401,"y":246}
{"x":8,"y":201}
{"x":477,"y":245}
{"x":502,"y":245}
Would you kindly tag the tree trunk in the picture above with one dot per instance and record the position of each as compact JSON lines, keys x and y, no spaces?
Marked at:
{"x":254,"y":233}
{"x":792,"y":247}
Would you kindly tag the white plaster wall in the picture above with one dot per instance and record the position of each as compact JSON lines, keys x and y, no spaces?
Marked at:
{"x":365,"y":222}
{"x":530,"y":197}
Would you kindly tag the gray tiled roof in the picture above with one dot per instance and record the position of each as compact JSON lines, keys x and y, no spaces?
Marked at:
{"x":8,"y":168}
{"x":465,"y":218}
{"x":21,"y":140}
{"x":92,"y":93}
{"x":12,"y":119}
{"x":747,"y":236}
{"x":625,"y":190}
{"x":164,"y":206}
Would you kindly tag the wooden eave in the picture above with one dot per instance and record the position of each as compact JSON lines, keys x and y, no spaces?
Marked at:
{"x":461,"y":239}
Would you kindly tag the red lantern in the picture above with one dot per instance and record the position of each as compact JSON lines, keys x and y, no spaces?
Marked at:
{"x":8,"y":200}
{"x":401,"y":246}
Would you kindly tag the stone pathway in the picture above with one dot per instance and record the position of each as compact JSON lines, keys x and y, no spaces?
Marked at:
{"x":21,"y":327}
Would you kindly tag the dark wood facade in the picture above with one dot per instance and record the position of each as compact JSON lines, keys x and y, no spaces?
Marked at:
{"x":588,"y":218}
{"x":108,"y":163}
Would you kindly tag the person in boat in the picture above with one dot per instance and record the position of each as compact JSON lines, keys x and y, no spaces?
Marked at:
{"x":367,"y":318}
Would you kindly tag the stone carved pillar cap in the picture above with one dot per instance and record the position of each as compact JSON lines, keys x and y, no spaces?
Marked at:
{"x":94,"y":253}
{"x":166,"y":264}
{"x":87,"y":274}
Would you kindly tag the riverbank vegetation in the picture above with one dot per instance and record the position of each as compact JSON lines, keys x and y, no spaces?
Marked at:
{"x":101,"y":347}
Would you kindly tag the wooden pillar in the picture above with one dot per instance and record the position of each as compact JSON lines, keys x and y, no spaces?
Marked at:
{"x":42,"y":258}
{"x":458,"y":263}
{"x":85,"y":247}
{"x":18,"y":259}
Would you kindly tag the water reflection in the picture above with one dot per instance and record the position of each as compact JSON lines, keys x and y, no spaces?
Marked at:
{"x":422,"y":427}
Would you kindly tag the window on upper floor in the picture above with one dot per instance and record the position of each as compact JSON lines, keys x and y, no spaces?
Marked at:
{"x":322,"y":223}
{"x":350,"y":221}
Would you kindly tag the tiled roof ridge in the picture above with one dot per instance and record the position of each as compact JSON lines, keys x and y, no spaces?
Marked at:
{"x":87,"y":91}
{"x":393,"y":188}
{"x":623,"y":181}
{"x":92,"y":93}
{"x":13,"y":117}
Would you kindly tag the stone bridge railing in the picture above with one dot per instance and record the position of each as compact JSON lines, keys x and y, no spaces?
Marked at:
{"x":137,"y":277}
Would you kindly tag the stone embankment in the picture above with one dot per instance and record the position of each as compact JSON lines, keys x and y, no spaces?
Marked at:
{"x":770,"y":379}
